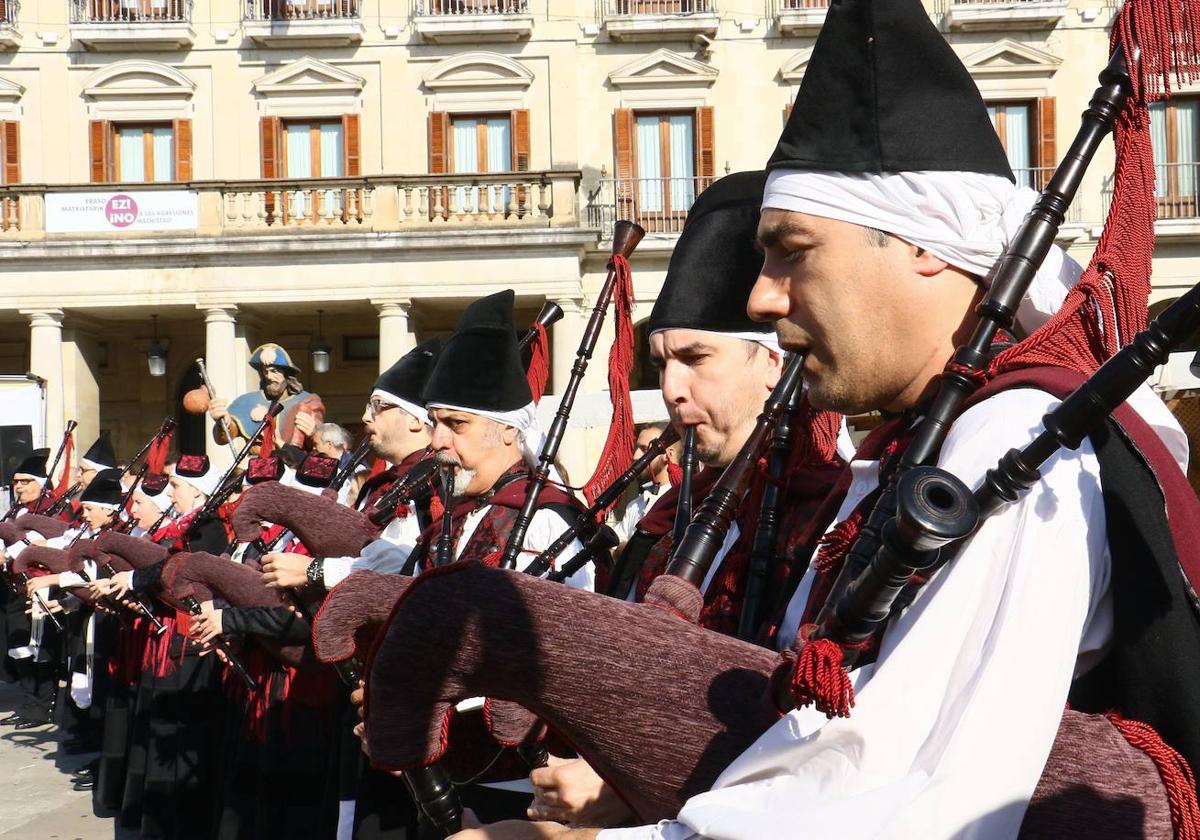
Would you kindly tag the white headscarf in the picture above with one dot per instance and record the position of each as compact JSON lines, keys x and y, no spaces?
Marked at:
{"x":964,"y":218}
{"x":407,"y":405}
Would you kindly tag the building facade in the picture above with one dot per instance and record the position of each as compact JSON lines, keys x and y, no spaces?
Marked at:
{"x":218,"y":173}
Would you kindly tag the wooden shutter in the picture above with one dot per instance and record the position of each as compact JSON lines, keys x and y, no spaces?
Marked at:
{"x":706,"y":164}
{"x":182,"y":131}
{"x":12,"y":153}
{"x":1044,"y":152}
{"x":520,"y":144}
{"x":624,"y":163}
{"x":271,"y":131}
{"x":439,"y":137}
{"x":352,"y":154}
{"x":100,"y":133}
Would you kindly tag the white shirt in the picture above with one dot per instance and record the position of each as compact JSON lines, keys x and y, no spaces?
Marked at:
{"x":626,"y":523}
{"x":953,"y":723}
{"x":386,"y":555}
{"x":545,"y":527}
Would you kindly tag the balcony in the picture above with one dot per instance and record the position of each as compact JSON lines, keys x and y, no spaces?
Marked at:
{"x":998,"y":15}
{"x":376,"y":205}
{"x":131,"y":25}
{"x":801,"y":17}
{"x":1177,"y":200}
{"x":10,"y":37}
{"x":660,"y":205}
{"x":304,"y":23}
{"x":660,"y":20}
{"x":472,"y":21}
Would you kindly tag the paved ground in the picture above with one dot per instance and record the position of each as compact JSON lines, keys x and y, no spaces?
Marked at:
{"x":36,"y":800}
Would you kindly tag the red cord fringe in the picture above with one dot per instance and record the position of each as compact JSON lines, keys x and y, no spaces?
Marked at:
{"x":64,"y":480}
{"x":675,"y":474}
{"x":820,"y":680}
{"x":1173,"y":768}
{"x":538,"y":373}
{"x":618,"y":449}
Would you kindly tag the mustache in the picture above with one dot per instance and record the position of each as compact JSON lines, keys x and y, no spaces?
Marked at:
{"x":445,"y":459}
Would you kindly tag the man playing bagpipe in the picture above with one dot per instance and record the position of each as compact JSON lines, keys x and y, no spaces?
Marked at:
{"x":881,"y":238}
{"x":398,"y":427}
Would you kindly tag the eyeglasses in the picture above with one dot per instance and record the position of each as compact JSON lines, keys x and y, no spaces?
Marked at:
{"x":17,"y":481}
{"x":376,"y":406}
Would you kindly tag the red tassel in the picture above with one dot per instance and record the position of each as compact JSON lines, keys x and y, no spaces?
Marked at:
{"x":618,"y":449}
{"x":1173,"y":768}
{"x":436,"y":508}
{"x":538,"y":373}
{"x":675,"y":474}
{"x":819,"y":679}
{"x":156,"y":457}
{"x":65,"y":480}
{"x":267,"y":445}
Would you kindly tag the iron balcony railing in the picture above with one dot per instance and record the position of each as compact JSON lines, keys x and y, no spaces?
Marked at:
{"x":128,"y":11}
{"x":657,"y":8}
{"x":1176,"y":191}
{"x":660,"y":205}
{"x":302,"y":9}
{"x":452,"y":8}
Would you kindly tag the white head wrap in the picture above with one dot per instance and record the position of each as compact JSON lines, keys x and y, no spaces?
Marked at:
{"x":530,"y":437}
{"x":161,"y":500}
{"x":206,"y":483}
{"x":410,"y":407}
{"x":964,"y":218}
{"x":768,"y":339}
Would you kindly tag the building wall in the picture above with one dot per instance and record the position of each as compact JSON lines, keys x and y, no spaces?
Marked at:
{"x":570,"y":72}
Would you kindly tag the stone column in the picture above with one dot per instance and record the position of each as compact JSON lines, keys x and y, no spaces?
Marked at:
{"x":220,"y":357}
{"x":46,"y":361}
{"x":564,"y":342}
{"x":395,"y":337}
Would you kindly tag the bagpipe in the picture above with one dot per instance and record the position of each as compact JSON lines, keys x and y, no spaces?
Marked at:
{"x":661,"y":719}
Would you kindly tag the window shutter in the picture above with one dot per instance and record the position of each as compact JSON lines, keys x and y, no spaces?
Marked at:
{"x":439,"y":136}
{"x":182,"y":130}
{"x":12,"y":153}
{"x":706,"y":166}
{"x":352,"y":157}
{"x":624,"y":162}
{"x":270,"y":129}
{"x":520,"y":144}
{"x":1045,"y":152}
{"x":100,"y":132}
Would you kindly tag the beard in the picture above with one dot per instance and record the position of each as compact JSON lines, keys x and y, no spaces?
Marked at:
{"x":462,"y":476}
{"x":274,"y":390}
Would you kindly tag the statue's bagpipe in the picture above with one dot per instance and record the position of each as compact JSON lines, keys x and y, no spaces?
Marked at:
{"x":659,"y":707}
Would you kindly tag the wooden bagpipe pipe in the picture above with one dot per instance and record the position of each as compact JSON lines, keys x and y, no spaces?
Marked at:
{"x":660,"y":707}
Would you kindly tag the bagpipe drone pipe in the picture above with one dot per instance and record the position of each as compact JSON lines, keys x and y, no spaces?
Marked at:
{"x":660,"y":707}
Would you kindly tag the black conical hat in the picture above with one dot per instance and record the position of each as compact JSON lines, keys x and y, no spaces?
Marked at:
{"x":714,"y":265}
{"x":480,"y":366}
{"x":34,"y":464}
{"x":884,"y":92}
{"x":105,"y":489}
{"x":406,"y":379}
{"x":101,"y":453}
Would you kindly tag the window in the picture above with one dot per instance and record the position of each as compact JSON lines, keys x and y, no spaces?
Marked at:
{"x":1173,"y":136}
{"x":314,"y":150}
{"x":360,"y":348}
{"x":140,"y":152}
{"x":1026,"y":131}
{"x":663,"y":160}
{"x":311,"y":148}
{"x":481,"y":143}
{"x":1015,"y":127}
{"x":144,"y":153}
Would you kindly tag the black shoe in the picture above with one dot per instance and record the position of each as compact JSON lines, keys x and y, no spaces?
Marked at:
{"x":11,"y":719}
{"x":30,"y":724}
{"x":84,"y":784}
{"x":86,"y":772}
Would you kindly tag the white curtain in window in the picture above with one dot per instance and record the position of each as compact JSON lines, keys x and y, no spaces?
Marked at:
{"x":683,"y":162}
{"x":1185,"y":145}
{"x":466,"y":159}
{"x":499,"y":157}
{"x":1016,"y":143}
{"x":1158,"y":141}
{"x":331,"y":165}
{"x":649,"y":162}
{"x":299,"y":162}
{"x":132,"y":151}
{"x":164,"y":153}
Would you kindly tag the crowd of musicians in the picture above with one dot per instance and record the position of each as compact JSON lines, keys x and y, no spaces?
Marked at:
{"x":745,"y":623}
